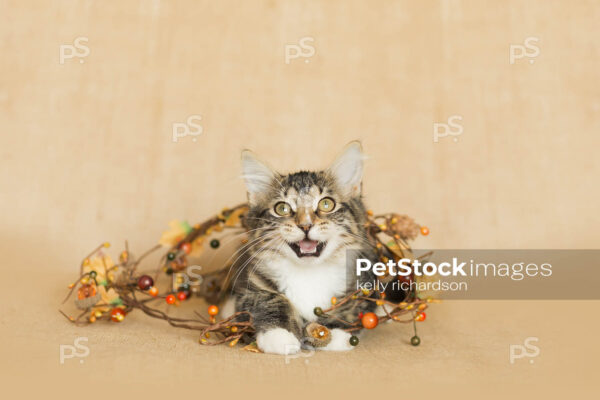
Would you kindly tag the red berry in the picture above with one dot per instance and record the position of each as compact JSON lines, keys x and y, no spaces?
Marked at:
{"x":181,"y":296}
{"x":170,"y":299}
{"x":360,"y":315}
{"x":117,"y":314}
{"x":420,"y":316}
{"x":145,"y":282}
{"x":186,"y":247}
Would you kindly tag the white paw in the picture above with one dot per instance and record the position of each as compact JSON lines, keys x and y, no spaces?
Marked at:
{"x":278,"y":341}
{"x":340,"y":341}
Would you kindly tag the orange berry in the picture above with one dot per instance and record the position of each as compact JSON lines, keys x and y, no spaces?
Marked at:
{"x":213,"y":310}
{"x":424,"y":231}
{"x":420,"y":316}
{"x":153,"y":291}
{"x":333,"y":300}
{"x":369,"y":320}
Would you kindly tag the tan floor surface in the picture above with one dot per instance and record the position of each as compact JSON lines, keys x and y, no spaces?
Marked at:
{"x":86,"y":155}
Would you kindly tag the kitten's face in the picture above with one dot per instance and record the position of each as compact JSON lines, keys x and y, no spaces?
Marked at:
{"x":307,"y":217}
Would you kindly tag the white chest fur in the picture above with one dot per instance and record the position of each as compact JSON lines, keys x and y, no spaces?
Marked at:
{"x":309,"y":286}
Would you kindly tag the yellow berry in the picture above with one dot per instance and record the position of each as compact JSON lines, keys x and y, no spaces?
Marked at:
{"x":379,"y":302}
{"x":106,"y":244}
{"x":333,"y":300}
{"x":234,"y":329}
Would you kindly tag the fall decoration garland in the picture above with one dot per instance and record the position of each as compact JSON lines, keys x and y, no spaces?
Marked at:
{"x":109,"y":291}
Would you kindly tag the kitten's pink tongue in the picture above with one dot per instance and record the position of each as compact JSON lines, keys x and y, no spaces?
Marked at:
{"x":308,"y":246}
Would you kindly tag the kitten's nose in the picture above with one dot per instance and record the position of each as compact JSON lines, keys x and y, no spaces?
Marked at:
{"x":304,"y":218}
{"x":305,"y":227}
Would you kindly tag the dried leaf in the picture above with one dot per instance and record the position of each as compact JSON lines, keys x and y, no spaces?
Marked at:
{"x":234,"y":218}
{"x":252,"y":347}
{"x":176,"y":232}
{"x":99,"y":263}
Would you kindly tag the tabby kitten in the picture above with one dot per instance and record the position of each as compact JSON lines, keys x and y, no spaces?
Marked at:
{"x":300,"y":228}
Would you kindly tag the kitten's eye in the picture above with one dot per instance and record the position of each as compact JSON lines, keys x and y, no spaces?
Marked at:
{"x":283,"y":209}
{"x":326,"y":204}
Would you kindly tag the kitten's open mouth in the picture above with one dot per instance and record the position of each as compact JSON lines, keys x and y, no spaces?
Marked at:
{"x":307,"y":248}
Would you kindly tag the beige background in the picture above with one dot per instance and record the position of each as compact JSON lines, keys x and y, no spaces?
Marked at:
{"x":87,"y":156}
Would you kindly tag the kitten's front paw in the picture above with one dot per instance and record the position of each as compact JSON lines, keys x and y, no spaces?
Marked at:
{"x":278,"y":341}
{"x":340,"y":341}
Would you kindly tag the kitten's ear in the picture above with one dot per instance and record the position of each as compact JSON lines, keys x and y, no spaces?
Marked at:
{"x":257,"y":175}
{"x":347,"y":169}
